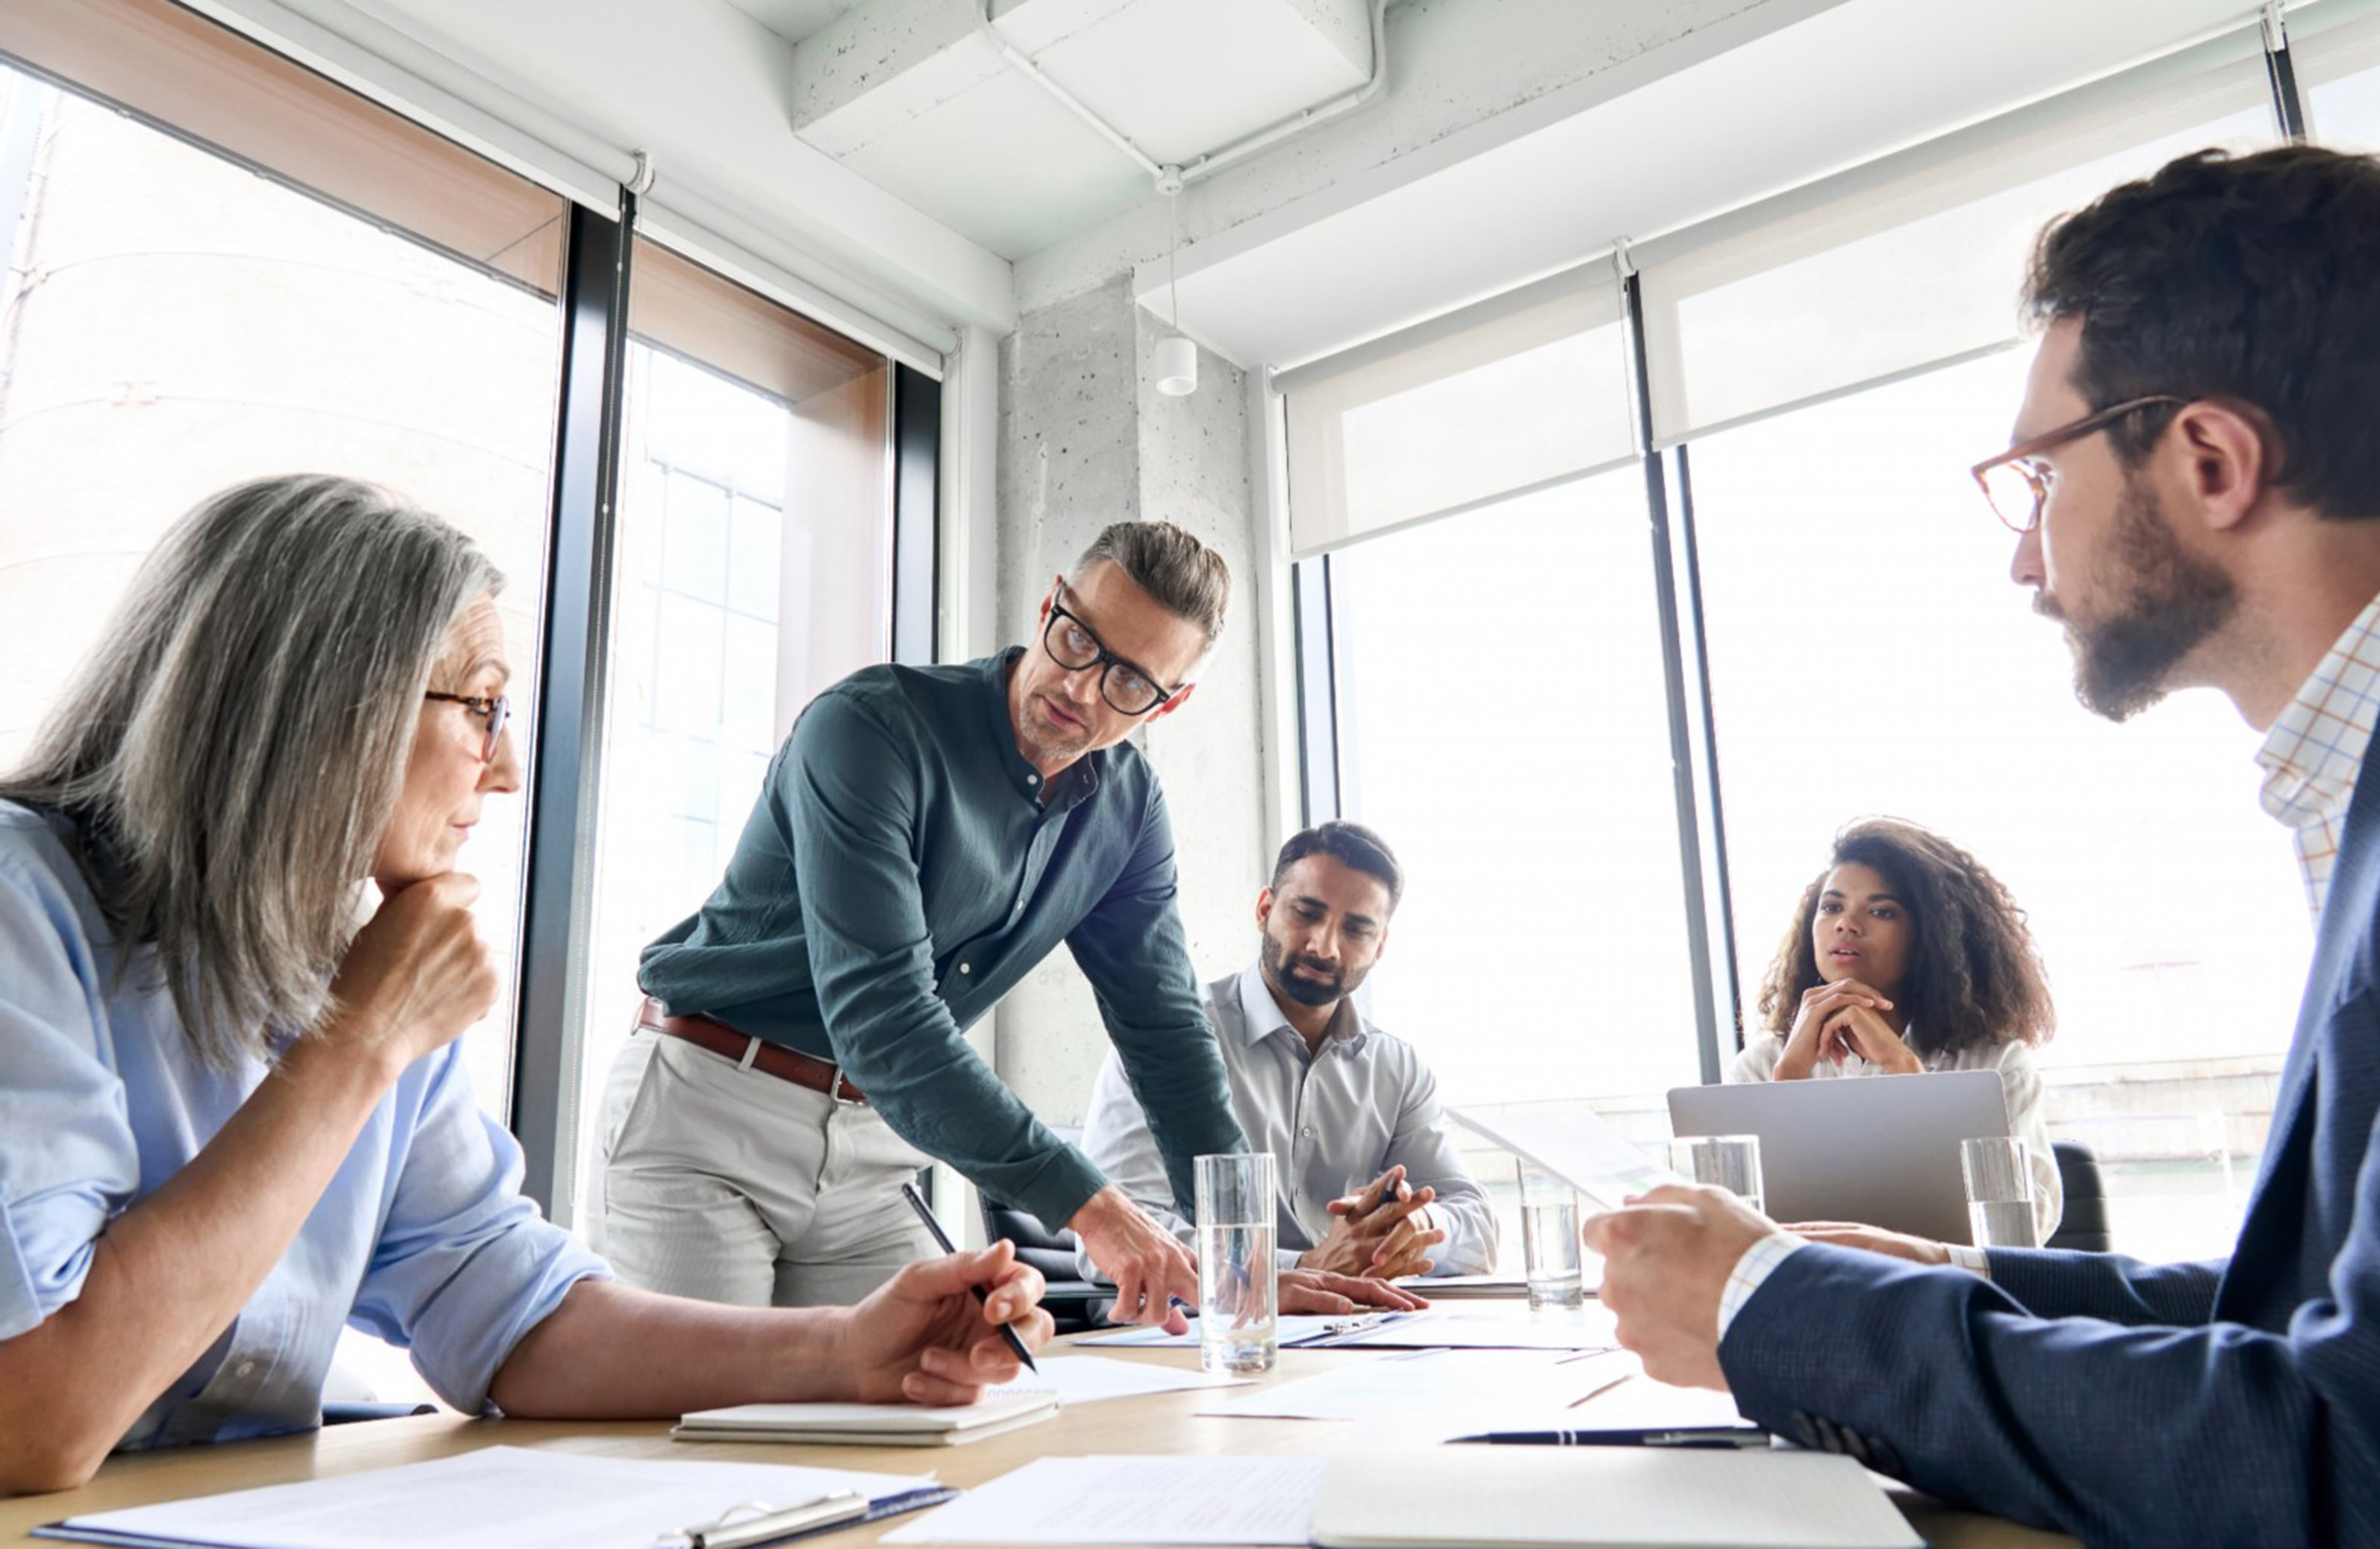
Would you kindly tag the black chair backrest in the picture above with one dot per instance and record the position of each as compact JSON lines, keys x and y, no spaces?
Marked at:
{"x":1073,"y":1303}
{"x":2085,"y":1225}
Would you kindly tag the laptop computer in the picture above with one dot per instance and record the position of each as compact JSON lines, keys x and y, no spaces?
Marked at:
{"x":1882,"y":1150}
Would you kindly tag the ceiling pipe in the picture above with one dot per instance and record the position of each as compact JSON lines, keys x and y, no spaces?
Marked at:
{"x":1177,"y":176}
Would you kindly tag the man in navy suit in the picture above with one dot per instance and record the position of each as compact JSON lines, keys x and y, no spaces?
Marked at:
{"x":2196,"y":475}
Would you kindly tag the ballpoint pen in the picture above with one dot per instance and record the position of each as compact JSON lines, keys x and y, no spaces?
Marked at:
{"x":918,"y":1203}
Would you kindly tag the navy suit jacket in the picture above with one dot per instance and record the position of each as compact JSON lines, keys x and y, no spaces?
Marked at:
{"x":2127,"y":1403}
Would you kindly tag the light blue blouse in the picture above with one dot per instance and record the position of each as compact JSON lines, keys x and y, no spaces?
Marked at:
{"x":422,"y":1236}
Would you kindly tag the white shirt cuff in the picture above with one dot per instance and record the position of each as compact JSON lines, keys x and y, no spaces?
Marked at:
{"x":1751,"y":1271}
{"x":1973,"y":1260}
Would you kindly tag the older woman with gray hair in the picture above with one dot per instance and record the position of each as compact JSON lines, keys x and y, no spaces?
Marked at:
{"x":232,"y":1120}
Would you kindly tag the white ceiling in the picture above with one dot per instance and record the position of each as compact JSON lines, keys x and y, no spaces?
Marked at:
{"x":1836,"y":88}
{"x":794,"y":19}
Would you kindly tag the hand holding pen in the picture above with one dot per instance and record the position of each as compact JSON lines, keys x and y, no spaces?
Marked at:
{"x":934,"y":1230}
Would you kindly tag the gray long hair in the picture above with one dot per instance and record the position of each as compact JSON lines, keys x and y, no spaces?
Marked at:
{"x":232,"y":751}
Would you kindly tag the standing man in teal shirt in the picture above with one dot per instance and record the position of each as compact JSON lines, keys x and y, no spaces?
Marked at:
{"x":925,"y":837}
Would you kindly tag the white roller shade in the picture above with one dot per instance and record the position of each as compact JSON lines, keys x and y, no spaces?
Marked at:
{"x":1518,"y":393}
{"x":1916,"y":259}
{"x":2336,"y":48}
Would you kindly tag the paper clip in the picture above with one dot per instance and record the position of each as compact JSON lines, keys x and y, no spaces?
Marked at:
{"x":752,"y":1522}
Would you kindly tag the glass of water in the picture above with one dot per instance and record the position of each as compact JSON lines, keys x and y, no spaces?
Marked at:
{"x":1729,"y":1161}
{"x":1999,"y":1171}
{"x":1238,"y":1291}
{"x":1550,"y":1239}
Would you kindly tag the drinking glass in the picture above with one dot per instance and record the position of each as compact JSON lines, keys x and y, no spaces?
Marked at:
{"x":2000,"y":1192}
{"x":1729,"y":1162}
{"x":1550,"y":1239}
{"x":1238,"y":1291}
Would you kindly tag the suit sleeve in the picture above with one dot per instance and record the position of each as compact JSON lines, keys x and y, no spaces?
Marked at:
{"x":2176,"y":1434}
{"x":848,"y":793}
{"x":1132,"y":950}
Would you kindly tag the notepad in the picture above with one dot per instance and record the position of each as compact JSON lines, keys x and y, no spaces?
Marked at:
{"x":1617,"y":1497}
{"x":868,"y":1424}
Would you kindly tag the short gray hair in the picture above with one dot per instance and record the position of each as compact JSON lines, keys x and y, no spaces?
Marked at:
{"x":233,"y":750}
{"x":1188,"y":580}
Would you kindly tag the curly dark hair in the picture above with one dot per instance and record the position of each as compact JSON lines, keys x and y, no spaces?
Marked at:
{"x":2252,"y":278}
{"x":1975,"y":976}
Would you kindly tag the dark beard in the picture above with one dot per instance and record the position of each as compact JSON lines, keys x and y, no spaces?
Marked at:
{"x":2171,"y":603}
{"x":1305,"y":992}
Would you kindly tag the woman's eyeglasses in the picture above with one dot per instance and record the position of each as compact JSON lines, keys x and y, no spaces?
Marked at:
{"x":494,"y":709}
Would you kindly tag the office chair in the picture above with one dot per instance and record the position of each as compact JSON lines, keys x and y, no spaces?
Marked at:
{"x":1073,"y":1303}
{"x":2085,"y":1225}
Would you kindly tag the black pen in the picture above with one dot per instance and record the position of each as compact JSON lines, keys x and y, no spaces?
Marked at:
{"x":918,"y":1203}
{"x":1730,"y":1438}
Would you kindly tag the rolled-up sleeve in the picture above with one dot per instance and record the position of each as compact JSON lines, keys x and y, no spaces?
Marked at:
{"x":848,"y":799}
{"x":68,"y":1160}
{"x":1131,"y":948}
{"x":464,"y":1265}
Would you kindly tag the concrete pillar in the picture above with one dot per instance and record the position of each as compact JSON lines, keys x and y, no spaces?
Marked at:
{"x":1084,"y":440}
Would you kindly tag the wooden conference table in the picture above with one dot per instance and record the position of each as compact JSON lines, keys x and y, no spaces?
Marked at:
{"x":1157,"y":1423}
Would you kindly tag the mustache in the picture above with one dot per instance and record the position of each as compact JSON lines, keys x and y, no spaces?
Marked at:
{"x":2047,"y":606}
{"x":1312,"y":964}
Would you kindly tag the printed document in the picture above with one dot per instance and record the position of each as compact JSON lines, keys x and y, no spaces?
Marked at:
{"x":1575,"y":1142}
{"x":1132,"y":1501}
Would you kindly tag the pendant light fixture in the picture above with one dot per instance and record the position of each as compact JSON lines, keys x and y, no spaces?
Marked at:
{"x":1177,"y":358}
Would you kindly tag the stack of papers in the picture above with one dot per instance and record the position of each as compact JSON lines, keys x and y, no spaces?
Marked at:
{"x":868,"y":1424}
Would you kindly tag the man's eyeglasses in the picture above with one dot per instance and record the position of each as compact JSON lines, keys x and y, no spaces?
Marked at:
{"x":1073,"y":646}
{"x":495,"y":710}
{"x":2014,"y":481}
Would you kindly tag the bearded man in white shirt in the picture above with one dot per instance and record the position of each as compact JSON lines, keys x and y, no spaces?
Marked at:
{"x":1369,"y":1182}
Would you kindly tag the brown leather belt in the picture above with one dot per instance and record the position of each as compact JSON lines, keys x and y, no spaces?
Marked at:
{"x":753,"y":1054}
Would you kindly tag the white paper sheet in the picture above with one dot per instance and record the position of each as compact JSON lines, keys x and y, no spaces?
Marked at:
{"x":501,"y":1497}
{"x":1131,"y":1501}
{"x":1290,"y":1328}
{"x":1445,"y":1393}
{"x":1575,"y":1143}
{"x":1087,"y":1379}
{"x":1489,"y":1326}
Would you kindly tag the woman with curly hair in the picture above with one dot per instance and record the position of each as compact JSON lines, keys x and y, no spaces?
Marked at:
{"x":1906,"y":955}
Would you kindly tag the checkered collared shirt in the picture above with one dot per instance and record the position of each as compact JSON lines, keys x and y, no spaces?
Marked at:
{"x":2315,"y":751}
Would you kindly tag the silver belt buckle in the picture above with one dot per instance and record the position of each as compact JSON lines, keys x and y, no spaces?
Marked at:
{"x":834,"y":1090}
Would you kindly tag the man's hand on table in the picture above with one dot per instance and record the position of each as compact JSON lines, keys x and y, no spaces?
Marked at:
{"x":1317,"y":1290}
{"x":1151,"y":1270}
{"x":1666,"y":1260}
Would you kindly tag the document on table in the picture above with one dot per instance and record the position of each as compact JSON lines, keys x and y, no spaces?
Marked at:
{"x":1458,"y":1392}
{"x":1087,"y":1378}
{"x":1576,"y":1144}
{"x":1490,"y":1328}
{"x":1579,"y":1498}
{"x":500,"y":1498}
{"x":1132,"y":1501}
{"x":1290,"y":1328}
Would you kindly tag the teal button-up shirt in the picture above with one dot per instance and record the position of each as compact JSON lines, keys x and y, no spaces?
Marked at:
{"x":901,"y":873}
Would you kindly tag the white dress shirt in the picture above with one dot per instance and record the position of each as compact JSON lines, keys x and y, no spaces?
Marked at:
{"x":1334,"y":1119}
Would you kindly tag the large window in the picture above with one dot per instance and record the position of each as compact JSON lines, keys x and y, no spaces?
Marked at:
{"x":346,"y":294}
{"x":1870,"y":655}
{"x":1819,"y":371}
{"x":755,"y":567}
{"x":1501,"y":723}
